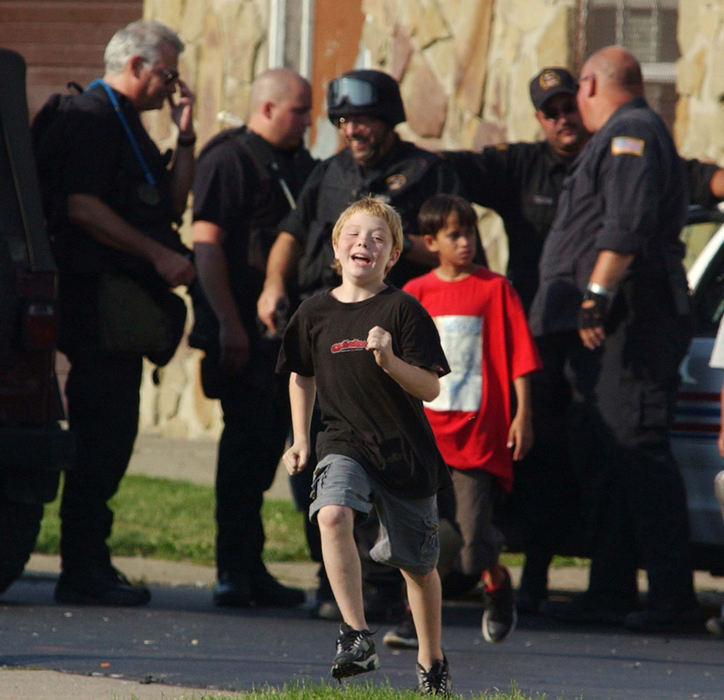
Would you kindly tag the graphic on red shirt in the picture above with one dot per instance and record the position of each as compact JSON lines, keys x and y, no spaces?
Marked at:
{"x":486,"y":339}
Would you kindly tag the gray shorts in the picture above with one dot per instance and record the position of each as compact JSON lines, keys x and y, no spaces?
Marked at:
{"x":408,"y":527}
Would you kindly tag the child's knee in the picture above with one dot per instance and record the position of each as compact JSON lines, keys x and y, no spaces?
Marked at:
{"x":333,"y":517}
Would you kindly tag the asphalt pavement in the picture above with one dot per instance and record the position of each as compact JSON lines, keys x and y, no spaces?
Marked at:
{"x":100,"y":652}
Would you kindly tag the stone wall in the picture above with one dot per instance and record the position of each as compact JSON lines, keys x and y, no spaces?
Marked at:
{"x":463,"y":67}
{"x":226,"y":46}
{"x":699,"y":127}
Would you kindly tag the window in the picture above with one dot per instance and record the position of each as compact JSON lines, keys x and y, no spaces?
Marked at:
{"x":648,"y":29}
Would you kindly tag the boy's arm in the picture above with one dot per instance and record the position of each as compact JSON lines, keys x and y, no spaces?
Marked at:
{"x":420,"y":382}
{"x":302,"y":391}
{"x":520,"y":435}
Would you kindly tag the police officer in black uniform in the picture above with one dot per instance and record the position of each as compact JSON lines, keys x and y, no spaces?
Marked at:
{"x":522,"y":181}
{"x":611,"y":267}
{"x":365,"y":105}
{"x":112,"y":206}
{"x":246,"y":181}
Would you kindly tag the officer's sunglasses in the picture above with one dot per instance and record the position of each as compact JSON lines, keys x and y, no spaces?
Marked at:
{"x":552,"y":114}
{"x":355,"y":92}
{"x":168,"y":75}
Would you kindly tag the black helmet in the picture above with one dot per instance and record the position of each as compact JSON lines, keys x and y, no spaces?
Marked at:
{"x":369,"y":92}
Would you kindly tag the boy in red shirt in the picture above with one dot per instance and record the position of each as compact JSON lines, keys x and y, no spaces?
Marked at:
{"x":489,"y":347}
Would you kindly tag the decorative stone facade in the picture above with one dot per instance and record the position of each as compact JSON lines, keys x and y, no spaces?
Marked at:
{"x":699,"y":127}
{"x":463,"y":67}
{"x":225,"y":48}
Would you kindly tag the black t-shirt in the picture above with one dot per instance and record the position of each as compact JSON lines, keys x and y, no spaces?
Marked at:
{"x":87,"y":151}
{"x":521,"y":182}
{"x":405,"y":178}
{"x":237,"y":187}
{"x":367,"y":415}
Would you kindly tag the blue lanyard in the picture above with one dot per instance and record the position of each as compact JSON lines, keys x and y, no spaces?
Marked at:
{"x":134,"y":144}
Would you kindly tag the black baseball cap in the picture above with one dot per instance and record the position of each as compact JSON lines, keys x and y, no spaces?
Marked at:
{"x":550,"y":82}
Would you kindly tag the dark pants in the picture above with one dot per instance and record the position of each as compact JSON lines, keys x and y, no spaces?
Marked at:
{"x":256,"y":424}
{"x":542,"y":515}
{"x":628,"y":387}
{"x":103,"y":398}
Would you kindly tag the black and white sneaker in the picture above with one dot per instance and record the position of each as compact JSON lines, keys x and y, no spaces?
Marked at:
{"x":355,"y":653}
{"x":436,"y":681}
{"x":403,"y":636}
{"x":500,"y":615}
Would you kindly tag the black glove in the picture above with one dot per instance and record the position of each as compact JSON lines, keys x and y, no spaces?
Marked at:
{"x":593,"y":310}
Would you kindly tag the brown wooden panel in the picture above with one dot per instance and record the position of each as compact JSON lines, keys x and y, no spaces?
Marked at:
{"x":62,"y":40}
{"x":39,"y":56}
{"x":55,"y":32}
{"x":117,"y":13}
{"x":337,"y":33}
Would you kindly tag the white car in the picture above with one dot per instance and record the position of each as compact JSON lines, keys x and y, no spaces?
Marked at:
{"x":696,"y":425}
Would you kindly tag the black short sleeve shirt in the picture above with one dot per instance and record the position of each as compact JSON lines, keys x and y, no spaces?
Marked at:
{"x":627,"y":193}
{"x":86,"y":150}
{"x":367,"y":415}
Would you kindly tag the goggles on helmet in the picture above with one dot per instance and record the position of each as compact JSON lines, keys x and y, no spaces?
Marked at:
{"x":353,"y":91}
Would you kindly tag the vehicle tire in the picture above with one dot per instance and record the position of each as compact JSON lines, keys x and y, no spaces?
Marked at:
{"x":19,"y":526}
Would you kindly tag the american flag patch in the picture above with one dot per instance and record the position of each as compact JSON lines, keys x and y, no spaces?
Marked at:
{"x":627,"y":145}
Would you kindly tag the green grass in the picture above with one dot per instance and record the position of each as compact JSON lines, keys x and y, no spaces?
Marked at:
{"x":355,"y":691}
{"x":174,"y":520}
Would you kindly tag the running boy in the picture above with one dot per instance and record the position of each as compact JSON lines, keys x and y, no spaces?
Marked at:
{"x":487,"y":341}
{"x":372,"y":354}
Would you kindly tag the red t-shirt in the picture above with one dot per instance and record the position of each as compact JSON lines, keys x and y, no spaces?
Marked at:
{"x":487,"y":342}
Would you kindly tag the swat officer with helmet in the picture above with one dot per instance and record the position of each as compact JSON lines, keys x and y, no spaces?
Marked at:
{"x":365,"y":105}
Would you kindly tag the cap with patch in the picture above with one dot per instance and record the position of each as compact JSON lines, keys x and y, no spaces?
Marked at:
{"x":550,"y":82}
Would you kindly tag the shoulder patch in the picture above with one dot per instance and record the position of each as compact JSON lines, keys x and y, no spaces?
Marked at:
{"x":627,"y":146}
{"x":396,"y":182}
{"x":501,"y":146}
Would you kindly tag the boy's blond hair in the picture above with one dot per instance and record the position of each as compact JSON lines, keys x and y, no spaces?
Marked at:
{"x":372,"y":207}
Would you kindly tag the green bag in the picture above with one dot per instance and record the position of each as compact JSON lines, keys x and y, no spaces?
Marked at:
{"x":134,"y":319}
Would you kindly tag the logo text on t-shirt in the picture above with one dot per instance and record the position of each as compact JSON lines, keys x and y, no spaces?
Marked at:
{"x":348,"y":346}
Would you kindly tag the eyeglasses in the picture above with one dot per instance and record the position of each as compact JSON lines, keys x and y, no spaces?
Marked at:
{"x":168,"y":75}
{"x":552,"y":114}
{"x":353,"y":91}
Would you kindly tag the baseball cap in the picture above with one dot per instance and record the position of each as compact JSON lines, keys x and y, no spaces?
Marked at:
{"x":550,"y":82}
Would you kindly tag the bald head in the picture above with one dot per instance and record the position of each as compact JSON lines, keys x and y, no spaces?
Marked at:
{"x":273,"y":84}
{"x":618,"y":69}
{"x":279,"y":104}
{"x":609,"y":78}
